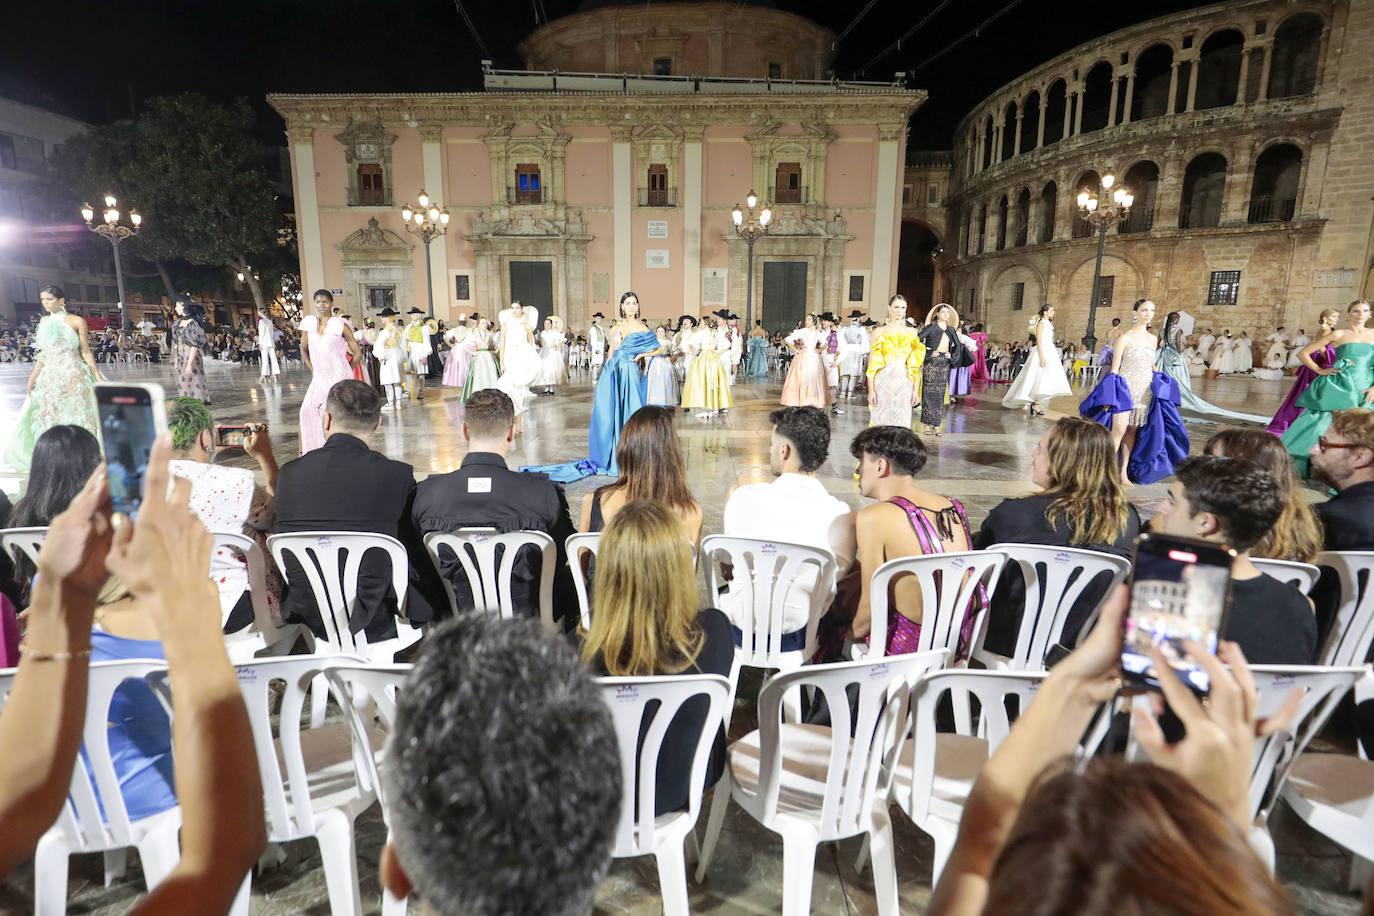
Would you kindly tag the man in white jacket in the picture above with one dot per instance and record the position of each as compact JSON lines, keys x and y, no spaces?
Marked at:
{"x":267,"y":346}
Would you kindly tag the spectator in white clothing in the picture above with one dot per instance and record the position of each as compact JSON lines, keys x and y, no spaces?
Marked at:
{"x":794,"y":509}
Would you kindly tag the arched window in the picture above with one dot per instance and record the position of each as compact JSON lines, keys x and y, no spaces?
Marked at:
{"x":1049,"y":198}
{"x":1021,"y":219}
{"x":1143,"y":180}
{"x":1218,"y":75}
{"x":987,"y":142}
{"x":1293,"y":62}
{"x":1088,"y":181}
{"x":1030,"y":121}
{"x":1274,"y":193}
{"x":1008,"y":131}
{"x":1204,"y":184}
{"x":1002,"y":213}
{"x":1097,"y":97}
{"x":1055,"y":98}
{"x":982,"y":226}
{"x":1152,"y":71}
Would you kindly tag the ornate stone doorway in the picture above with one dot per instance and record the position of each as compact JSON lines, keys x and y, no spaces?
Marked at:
{"x":502,"y":244}
{"x":376,"y":260}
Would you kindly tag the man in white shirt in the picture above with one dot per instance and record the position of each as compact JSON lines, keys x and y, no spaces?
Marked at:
{"x":267,"y":346}
{"x":146,"y":327}
{"x":596,"y":342}
{"x":795,"y":509}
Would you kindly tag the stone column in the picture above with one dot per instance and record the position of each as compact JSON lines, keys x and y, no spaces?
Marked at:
{"x":1268,"y":50}
{"x":1111,"y":106}
{"x":978,"y":151}
{"x":1033,"y":217}
{"x":1016,"y":137}
{"x":432,"y":151}
{"x":1239,"y":175}
{"x":1040,"y":127}
{"x":1244,"y":72}
{"x":1130,"y":97}
{"x":1065,"y":207}
{"x":1173,"y":87}
{"x":691,"y":220}
{"x":1078,"y":112}
{"x":887,"y":211}
{"x":997,"y":139}
{"x":622,"y":191}
{"x":1168,"y":193}
{"x":1192,"y":84}
{"x":997,"y":227}
{"x":308,"y":241}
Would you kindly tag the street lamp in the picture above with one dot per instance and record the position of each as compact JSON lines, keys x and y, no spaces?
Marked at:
{"x":116,"y":232}
{"x":1102,"y":218}
{"x":750,"y":228}
{"x":428,"y":221}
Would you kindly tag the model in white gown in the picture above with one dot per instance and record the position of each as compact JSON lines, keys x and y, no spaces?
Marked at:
{"x":1244,"y":350}
{"x":554,"y":368}
{"x":1036,"y":383}
{"x":1223,"y":359}
{"x":520,"y":362}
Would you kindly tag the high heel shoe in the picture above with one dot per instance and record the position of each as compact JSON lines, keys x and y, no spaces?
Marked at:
{"x":1034,"y":412}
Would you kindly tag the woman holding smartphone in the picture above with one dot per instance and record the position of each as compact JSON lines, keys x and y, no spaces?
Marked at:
{"x":61,"y":387}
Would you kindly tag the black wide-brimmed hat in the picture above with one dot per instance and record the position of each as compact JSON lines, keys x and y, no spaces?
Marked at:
{"x":388,"y":313}
{"x":856,"y":314}
{"x":691,"y":318}
{"x":598,"y":315}
{"x":722,"y":313}
{"x":826,"y":316}
{"x":415,"y":310}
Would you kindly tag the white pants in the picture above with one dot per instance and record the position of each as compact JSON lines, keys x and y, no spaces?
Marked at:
{"x":266,"y":354}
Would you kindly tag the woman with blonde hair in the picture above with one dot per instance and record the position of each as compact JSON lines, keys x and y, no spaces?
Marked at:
{"x":1297,"y":535}
{"x":646,"y":621}
{"x":1081,"y":504}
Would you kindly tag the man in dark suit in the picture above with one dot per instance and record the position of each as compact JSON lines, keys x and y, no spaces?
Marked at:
{"x":485,"y":493}
{"x":1344,"y":458}
{"x":346,"y":486}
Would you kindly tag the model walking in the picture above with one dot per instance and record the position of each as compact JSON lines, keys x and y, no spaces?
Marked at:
{"x":1324,"y":357}
{"x":894,"y":369}
{"x":553,"y":369}
{"x":941,"y":340}
{"x":707,"y":388}
{"x":757,"y":365}
{"x":1134,"y":362}
{"x":326,"y":344}
{"x":1347,"y":382}
{"x":1042,"y":374}
{"x":390,"y":350}
{"x":267,"y":346}
{"x":661,"y":387}
{"x":621,"y":389}
{"x":459,"y":355}
{"x":520,"y":362}
{"x":188,"y":341}
{"x":1171,"y":361}
{"x":482,"y":371}
{"x":805,"y":385}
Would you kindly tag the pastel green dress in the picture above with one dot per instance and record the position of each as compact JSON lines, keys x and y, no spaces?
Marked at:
{"x":1354,"y":367}
{"x":63,"y":393}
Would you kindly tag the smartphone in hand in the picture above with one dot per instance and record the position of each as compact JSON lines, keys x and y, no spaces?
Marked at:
{"x":1180,"y":590}
{"x":232,"y":436}
{"x":131,"y":418}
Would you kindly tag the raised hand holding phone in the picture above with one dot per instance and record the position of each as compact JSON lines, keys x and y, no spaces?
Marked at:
{"x":131,"y":417}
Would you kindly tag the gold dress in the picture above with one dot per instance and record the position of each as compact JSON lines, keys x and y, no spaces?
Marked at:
{"x":894,"y":373}
{"x":708,"y":384}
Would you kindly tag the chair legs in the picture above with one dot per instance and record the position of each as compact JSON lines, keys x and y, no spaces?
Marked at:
{"x":116,"y":864}
{"x":672,"y":879}
{"x":50,"y":876}
{"x":335,"y":836}
{"x":1361,"y":870}
{"x":159,"y":853}
{"x":798,"y":868}
{"x":392,"y":905}
{"x":240,"y":905}
{"x":884,"y":864}
{"x":720,"y":800}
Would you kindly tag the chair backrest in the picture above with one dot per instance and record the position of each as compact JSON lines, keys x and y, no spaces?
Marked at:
{"x":881,"y":690}
{"x":1301,"y":576}
{"x":330,"y":560}
{"x":1353,"y":628}
{"x":1055,"y":578}
{"x":992,"y":690}
{"x":23,"y":542}
{"x":379,"y":684}
{"x":949,"y":584}
{"x":244,"y":546}
{"x":488,"y":561}
{"x":94,"y":817}
{"x":285,"y":779}
{"x":643,"y":708}
{"x":576,"y":546}
{"x":764,"y":572}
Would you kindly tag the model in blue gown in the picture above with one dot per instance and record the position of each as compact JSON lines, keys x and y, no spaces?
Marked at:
{"x":621,"y":390}
{"x":757,"y":366}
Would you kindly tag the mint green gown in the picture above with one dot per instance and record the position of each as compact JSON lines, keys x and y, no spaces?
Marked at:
{"x":1328,"y":393}
{"x":63,"y":393}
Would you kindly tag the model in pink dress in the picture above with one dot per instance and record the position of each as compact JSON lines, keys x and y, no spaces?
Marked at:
{"x":806,"y":384}
{"x":327,"y":355}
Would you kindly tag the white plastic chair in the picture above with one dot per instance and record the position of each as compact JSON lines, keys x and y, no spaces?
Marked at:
{"x":1055,"y":577}
{"x":640,"y":831}
{"x":266,"y":633}
{"x":575,"y":546}
{"x":488,"y":561}
{"x":814,"y":784}
{"x":23,"y":542}
{"x":81,"y":827}
{"x":314,"y":782}
{"x":764,"y":572}
{"x":1352,"y":630}
{"x":948,"y":583}
{"x":1301,"y":576}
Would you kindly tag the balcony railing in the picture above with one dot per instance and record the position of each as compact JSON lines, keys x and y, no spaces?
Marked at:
{"x":517,"y":196}
{"x":658,"y":197}
{"x":1141,"y":220}
{"x":790,"y":195}
{"x":1269,"y":210}
{"x":369,"y":197}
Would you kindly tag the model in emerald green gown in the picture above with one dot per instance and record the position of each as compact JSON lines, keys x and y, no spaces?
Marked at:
{"x":1349,"y":382}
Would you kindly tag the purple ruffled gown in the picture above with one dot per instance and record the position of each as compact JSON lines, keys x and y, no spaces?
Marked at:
{"x":1289,"y":409}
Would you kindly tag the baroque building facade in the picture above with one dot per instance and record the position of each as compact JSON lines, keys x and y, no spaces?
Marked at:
{"x":579,"y":178}
{"x":1246,"y":133}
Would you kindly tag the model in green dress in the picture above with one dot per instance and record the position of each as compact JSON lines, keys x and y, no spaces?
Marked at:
{"x":1349,"y":382}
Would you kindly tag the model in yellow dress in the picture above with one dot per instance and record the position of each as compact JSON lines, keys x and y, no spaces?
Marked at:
{"x":707,"y":387}
{"x":894,"y":369}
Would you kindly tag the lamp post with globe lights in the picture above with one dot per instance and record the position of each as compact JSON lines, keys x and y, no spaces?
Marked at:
{"x":116,"y":232}
{"x":428,"y":221}
{"x":751,"y":228}
{"x":1102,"y":218}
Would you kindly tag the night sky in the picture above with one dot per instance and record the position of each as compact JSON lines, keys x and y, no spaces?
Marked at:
{"x":94,"y":59}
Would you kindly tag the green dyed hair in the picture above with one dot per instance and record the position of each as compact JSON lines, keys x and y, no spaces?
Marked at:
{"x":186,"y":417}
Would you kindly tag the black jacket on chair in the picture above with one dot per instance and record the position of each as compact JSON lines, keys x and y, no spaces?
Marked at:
{"x":485,"y":493}
{"x":346,"y":486}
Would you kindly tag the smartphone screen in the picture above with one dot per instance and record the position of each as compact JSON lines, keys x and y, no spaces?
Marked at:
{"x":1180,"y":589}
{"x":131,"y":416}
{"x":232,"y":436}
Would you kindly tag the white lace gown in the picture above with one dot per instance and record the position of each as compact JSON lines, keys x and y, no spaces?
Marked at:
{"x":520,"y":361}
{"x":553,"y":369}
{"x":1035,"y":384}
{"x":1244,"y":354}
{"x":1224,"y":356}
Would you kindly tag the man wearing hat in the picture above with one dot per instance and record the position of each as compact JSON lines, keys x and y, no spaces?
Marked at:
{"x":830,"y":358}
{"x":854,"y":344}
{"x":390,"y":350}
{"x":417,"y":351}
{"x":682,"y":356}
{"x":596,"y":342}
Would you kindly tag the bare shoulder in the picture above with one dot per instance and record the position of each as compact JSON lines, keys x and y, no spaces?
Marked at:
{"x":76,"y":323}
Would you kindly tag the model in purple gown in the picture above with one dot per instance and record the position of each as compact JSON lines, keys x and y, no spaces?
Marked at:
{"x":1289,"y":409}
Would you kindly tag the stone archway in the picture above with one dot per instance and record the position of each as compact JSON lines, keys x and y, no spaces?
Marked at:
{"x":559,"y":242}
{"x":376,"y":260}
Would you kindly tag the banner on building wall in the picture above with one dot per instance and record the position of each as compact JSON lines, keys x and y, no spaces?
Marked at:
{"x":658,"y":228}
{"x":656,"y":259}
{"x":713,"y":288}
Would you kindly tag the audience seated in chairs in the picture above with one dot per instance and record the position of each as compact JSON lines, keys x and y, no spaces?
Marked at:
{"x":1297,"y":535}
{"x":1344,"y":458}
{"x":1234,"y":502}
{"x":485,"y":493}
{"x":1041,"y":836}
{"x":346,"y":486}
{"x":794,"y":508}
{"x":649,"y":455}
{"x":162,"y":561}
{"x":645,"y":620}
{"x":1082,"y":505}
{"x":504,"y":775}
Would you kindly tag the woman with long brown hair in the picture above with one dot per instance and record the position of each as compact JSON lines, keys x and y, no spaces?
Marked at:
{"x":1081,"y":504}
{"x":649,"y":455}
{"x":646,"y":621}
{"x":1297,"y":535}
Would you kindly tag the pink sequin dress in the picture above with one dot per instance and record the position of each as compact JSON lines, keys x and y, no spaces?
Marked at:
{"x":329,"y":360}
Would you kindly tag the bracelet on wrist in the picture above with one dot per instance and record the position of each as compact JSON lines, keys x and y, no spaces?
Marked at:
{"x":35,"y":655}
